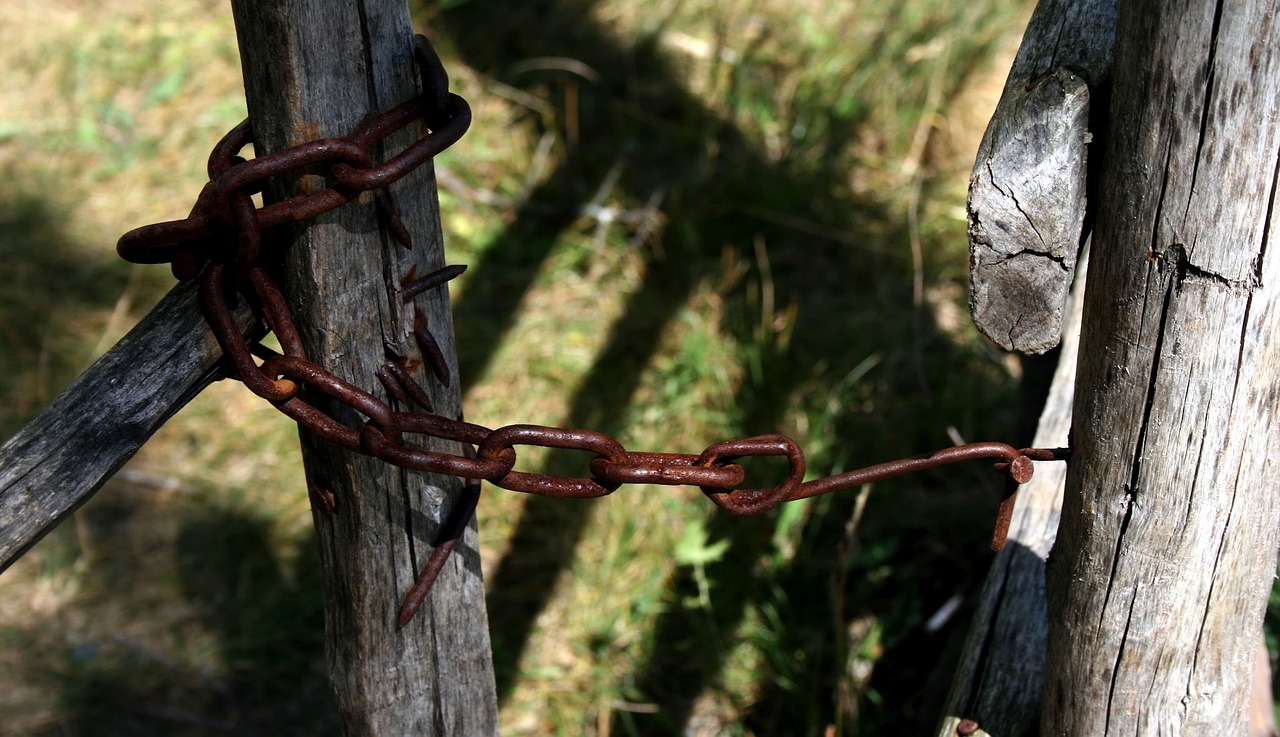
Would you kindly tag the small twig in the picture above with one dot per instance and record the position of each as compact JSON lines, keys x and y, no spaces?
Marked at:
{"x":556,"y":63}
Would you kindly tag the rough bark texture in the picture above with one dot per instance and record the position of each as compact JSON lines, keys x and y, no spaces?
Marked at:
{"x":1159,"y":578}
{"x":1000,"y":678}
{"x":59,"y":459}
{"x":1028,"y":191}
{"x":317,"y":68}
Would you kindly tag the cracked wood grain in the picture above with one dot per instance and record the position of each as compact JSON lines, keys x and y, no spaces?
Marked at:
{"x":1029,"y":190}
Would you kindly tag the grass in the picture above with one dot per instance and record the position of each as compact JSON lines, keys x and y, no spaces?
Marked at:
{"x":684,"y":222}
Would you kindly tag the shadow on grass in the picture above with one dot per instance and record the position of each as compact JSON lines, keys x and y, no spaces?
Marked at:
{"x":268,"y":618}
{"x":51,"y":286}
{"x":265,"y":613}
{"x":854,"y":301}
{"x":259,"y":610}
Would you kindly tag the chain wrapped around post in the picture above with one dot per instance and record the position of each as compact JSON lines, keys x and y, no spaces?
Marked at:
{"x":221,"y":243}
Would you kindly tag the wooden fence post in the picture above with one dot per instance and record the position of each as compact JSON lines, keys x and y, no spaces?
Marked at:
{"x":316,"y":68}
{"x":999,"y":681}
{"x":1166,"y":552}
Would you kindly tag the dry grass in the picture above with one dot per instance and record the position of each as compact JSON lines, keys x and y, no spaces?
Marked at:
{"x":685,"y":222}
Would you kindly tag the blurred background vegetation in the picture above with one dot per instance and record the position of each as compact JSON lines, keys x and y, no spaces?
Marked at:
{"x":685,"y":222}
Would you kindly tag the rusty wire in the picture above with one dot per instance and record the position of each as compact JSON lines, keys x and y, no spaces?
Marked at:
{"x":224,"y":234}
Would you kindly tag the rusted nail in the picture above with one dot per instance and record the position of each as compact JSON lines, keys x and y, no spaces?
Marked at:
{"x":1047,"y":454}
{"x":431,"y":353}
{"x":1000,"y":535}
{"x":399,"y":373}
{"x":391,"y":384}
{"x":323,"y":499}
{"x":1020,"y":469}
{"x":391,"y":217}
{"x":966,"y":727}
{"x":1017,"y":472}
{"x":450,"y":534}
{"x":412,"y":286}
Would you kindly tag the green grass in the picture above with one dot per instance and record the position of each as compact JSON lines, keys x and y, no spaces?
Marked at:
{"x":724,"y":219}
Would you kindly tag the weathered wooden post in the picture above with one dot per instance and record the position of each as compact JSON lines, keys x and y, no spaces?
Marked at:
{"x":1166,"y":552}
{"x":316,"y":68}
{"x":1162,"y":563}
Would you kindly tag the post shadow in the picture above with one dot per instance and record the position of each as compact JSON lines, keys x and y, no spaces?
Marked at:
{"x":112,"y":684}
{"x":491,"y":38}
{"x":268,"y":617}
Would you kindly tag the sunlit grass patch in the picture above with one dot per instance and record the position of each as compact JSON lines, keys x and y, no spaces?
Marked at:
{"x":114,"y":105}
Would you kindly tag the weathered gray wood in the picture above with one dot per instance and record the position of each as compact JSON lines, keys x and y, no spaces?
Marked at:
{"x":1166,"y":552}
{"x":1000,"y":677}
{"x":1027,"y":193}
{"x":59,"y":459}
{"x":1262,"y":708}
{"x":317,"y":68}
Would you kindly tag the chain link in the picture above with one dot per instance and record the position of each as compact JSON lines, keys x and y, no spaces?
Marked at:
{"x":224,"y":214}
{"x":224,"y":232}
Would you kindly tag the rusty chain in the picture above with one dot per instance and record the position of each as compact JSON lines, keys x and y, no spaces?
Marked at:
{"x":220,"y":243}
